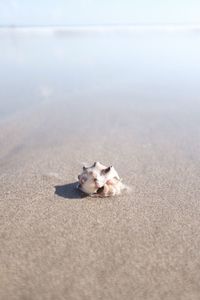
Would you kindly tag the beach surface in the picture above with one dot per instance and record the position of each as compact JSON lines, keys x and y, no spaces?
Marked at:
{"x":121,"y":108}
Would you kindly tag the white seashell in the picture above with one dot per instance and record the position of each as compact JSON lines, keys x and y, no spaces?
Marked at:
{"x":99,"y":180}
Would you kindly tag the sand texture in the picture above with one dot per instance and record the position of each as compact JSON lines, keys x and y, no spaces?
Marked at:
{"x":58,"y":245}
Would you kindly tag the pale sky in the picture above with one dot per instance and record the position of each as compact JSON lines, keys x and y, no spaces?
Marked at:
{"x":88,"y":12}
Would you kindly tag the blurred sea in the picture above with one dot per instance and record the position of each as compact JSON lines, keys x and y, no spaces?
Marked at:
{"x":146,"y":62}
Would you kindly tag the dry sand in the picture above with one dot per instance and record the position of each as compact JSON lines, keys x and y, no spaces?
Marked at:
{"x":57,"y":245}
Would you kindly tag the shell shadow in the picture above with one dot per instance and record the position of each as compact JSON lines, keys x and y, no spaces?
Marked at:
{"x":69,"y":191}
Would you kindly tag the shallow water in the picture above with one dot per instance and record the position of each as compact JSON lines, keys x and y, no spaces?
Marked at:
{"x":152,"y":67}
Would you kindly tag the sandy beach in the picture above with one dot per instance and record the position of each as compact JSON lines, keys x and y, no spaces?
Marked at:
{"x":56,"y":244}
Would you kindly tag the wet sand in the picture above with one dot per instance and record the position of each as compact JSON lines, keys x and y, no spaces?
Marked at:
{"x":132,"y":102}
{"x":57,"y":245}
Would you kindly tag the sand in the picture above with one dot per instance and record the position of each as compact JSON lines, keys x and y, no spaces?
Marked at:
{"x":58,"y":245}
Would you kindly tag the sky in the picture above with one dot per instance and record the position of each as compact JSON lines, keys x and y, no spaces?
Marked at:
{"x":100,"y":12}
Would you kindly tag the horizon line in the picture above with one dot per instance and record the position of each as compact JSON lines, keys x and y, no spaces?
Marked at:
{"x":103,"y":25}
